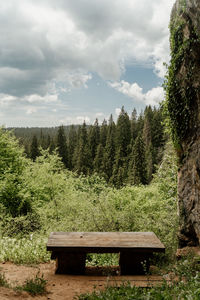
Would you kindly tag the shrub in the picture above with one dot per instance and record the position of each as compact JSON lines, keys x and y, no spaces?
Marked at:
{"x":21,"y":225}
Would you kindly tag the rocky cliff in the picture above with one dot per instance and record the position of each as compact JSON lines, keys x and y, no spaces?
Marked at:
{"x":183,"y":101}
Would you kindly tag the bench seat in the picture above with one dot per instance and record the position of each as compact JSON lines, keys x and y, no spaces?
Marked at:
{"x":135,"y":248}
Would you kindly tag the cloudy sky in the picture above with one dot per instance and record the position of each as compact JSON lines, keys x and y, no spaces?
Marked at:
{"x":65,"y":61}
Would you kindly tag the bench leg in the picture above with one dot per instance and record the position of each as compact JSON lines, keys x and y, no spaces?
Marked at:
{"x":134,"y":263}
{"x":70,"y":263}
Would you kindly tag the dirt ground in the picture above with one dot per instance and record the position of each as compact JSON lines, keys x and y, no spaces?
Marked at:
{"x":66,"y":287}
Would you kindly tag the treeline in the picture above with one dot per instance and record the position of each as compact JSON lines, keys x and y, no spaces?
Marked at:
{"x":125,"y":152}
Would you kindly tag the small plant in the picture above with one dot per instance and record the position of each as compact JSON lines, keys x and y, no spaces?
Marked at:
{"x":36,"y":286}
{"x":3,"y":280}
{"x":183,"y":284}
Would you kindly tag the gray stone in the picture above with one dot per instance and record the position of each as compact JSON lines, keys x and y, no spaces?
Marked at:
{"x":189,"y":171}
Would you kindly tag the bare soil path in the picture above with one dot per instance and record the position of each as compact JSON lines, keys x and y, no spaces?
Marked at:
{"x":66,"y":287}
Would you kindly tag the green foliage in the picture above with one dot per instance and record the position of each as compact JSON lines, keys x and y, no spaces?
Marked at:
{"x":96,"y":148}
{"x":35,"y":286}
{"x":20,"y":250}
{"x":138,"y":163}
{"x":83,"y":159}
{"x":173,"y":291}
{"x":180,"y":89}
{"x":34,"y":150}
{"x":71,"y":144}
{"x":62,"y":201}
{"x":3,"y":280}
{"x":184,"y":284}
{"x":13,"y":196}
{"x":123,"y":132}
{"x":62,"y":146}
{"x":166,"y":175}
{"x":105,"y":259}
{"x":94,"y":138}
{"x":21,"y":225}
{"x":109,"y":153}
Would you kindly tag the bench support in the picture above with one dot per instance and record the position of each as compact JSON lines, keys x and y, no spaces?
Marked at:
{"x":70,"y":263}
{"x":136,"y":263}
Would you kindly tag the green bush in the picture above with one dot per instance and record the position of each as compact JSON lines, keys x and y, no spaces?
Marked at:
{"x":29,"y":250}
{"x":13,"y":196}
{"x":22,"y":225}
{"x":184,"y":285}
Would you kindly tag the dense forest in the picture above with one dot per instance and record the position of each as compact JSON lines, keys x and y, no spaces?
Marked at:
{"x":104,"y":177}
{"x":125,"y":152}
{"x":41,"y":194}
{"x":115,"y":176}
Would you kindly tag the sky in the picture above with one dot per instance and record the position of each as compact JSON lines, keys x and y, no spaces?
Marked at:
{"x":66,"y":61}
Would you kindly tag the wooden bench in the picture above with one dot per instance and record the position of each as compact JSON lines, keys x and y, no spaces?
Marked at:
{"x":135,"y":248}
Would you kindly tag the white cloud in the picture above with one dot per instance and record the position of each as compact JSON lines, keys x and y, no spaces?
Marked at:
{"x":45,"y":41}
{"x":77,"y":80}
{"x":40,"y":99}
{"x":31,"y":110}
{"x":6,"y":99}
{"x":117,"y":111}
{"x":99,"y":115}
{"x":75,"y":120}
{"x":135,"y":92}
{"x":81,"y":119}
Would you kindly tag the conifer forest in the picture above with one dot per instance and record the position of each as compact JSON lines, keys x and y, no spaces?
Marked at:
{"x":123,"y":152}
{"x":133,"y":173}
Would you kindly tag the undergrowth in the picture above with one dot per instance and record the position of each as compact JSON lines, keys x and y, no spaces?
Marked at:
{"x":3,"y":280}
{"x":180,"y":282}
{"x":35,"y":286}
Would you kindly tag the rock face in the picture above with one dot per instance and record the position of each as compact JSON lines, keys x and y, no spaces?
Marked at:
{"x":183,"y":94}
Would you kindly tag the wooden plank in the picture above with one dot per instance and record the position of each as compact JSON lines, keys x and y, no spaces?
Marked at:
{"x":71,"y":263}
{"x":104,"y":241}
{"x":138,"y":263}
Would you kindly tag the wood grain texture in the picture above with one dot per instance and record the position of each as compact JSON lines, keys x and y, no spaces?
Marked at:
{"x":102,"y":242}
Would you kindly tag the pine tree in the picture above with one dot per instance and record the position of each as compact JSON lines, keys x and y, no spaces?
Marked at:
{"x":140,"y":124}
{"x":52,"y":146}
{"x":34,"y":149}
{"x":76,"y":149}
{"x":72,"y":142}
{"x":138,"y":168}
{"x":123,"y":138}
{"x":158,"y":139}
{"x":48,"y":141}
{"x":62,"y":145}
{"x":147,"y":138}
{"x":42,"y":140}
{"x":149,"y":162}
{"x":109,"y":153}
{"x":103,"y":133}
{"x":134,"y":124}
{"x":123,"y":132}
{"x":83,"y":162}
{"x":98,"y":161}
{"x":119,"y":171}
{"x":93,"y":138}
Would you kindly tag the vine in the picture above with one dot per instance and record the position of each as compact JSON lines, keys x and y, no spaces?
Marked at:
{"x":179,"y":87}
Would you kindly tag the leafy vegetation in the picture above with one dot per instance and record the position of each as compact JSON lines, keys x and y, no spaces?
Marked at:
{"x":3,"y":281}
{"x":180,"y":281}
{"x":35,"y":286}
{"x":181,"y":90}
{"x":113,"y":151}
{"x":61,"y":201}
{"x":174,"y":291}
